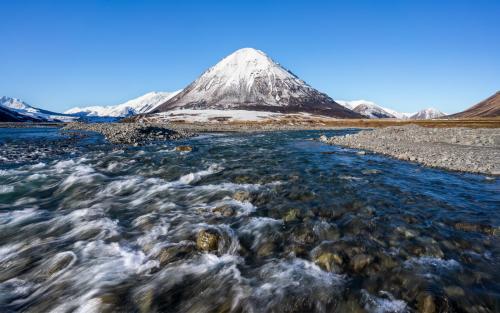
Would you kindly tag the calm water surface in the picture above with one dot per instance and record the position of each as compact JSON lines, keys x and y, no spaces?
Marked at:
{"x":266,"y":222}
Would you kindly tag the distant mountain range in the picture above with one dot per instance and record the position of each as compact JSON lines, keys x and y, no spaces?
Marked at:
{"x":370,"y":109}
{"x":16,"y":110}
{"x":143,"y":104}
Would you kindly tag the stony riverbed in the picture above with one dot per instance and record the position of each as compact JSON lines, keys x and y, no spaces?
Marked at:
{"x":261,"y":222}
{"x":460,"y":149}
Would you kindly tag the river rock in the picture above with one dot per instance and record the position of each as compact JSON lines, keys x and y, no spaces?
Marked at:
{"x":208,"y":240}
{"x":292,"y":215}
{"x":242,"y":196}
{"x":426,"y":303}
{"x":184,"y":148}
{"x":175,"y":252}
{"x":329,"y":261}
{"x":360,"y":261}
{"x":225,"y":210}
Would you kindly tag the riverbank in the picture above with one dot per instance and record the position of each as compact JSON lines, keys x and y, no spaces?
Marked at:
{"x":282,"y":124}
{"x":458,"y":149}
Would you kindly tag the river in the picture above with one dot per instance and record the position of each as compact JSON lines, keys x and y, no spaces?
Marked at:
{"x":262,"y":222}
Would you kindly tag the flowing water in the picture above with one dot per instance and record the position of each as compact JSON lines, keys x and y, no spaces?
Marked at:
{"x":265,"y":222}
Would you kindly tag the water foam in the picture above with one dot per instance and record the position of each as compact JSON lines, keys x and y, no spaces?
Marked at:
{"x":386,"y":304}
{"x":197,"y":176}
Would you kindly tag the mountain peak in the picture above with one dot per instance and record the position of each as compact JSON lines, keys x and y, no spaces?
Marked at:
{"x":428,"y":113}
{"x":248,"y":79}
{"x":247,"y":53}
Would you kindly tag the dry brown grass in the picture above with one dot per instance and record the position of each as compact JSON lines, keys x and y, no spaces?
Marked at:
{"x":363,"y":123}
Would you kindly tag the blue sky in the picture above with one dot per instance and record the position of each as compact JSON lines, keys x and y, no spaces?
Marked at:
{"x":402,"y":54}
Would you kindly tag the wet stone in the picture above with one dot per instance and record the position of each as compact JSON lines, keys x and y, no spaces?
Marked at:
{"x":304,"y":235}
{"x":175,"y":252}
{"x":184,"y":148}
{"x":224,"y":210}
{"x":292,"y":215}
{"x":360,"y":261}
{"x":426,"y":303}
{"x":454,"y":291}
{"x":266,"y":249}
{"x":242,"y":196}
{"x":329,"y":261}
{"x":57,"y":264}
{"x":469,"y":227}
{"x":207,"y":240}
{"x":144,"y":300}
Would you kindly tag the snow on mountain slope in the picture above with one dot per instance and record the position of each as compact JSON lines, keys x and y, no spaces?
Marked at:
{"x":142,"y":104}
{"x":427,"y":114}
{"x":368,"y":108}
{"x":31,"y":113}
{"x":249,"y":80}
{"x":398,"y":115}
{"x":372,"y":110}
{"x":349,"y":104}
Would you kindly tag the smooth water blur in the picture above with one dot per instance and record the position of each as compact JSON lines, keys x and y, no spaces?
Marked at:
{"x":300,"y":227}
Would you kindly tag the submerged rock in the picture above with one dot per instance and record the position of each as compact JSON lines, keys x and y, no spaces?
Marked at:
{"x":241,"y":196}
{"x":184,"y":148}
{"x":329,"y":261}
{"x":175,"y":252}
{"x":57,"y":264}
{"x":225,"y":210}
{"x":360,"y":261}
{"x":426,"y":303}
{"x":292,"y":215}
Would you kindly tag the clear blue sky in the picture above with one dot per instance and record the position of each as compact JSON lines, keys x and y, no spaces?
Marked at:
{"x":402,"y":54}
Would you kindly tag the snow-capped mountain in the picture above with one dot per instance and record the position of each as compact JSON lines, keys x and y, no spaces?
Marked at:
{"x":22,"y":111}
{"x":399,"y":115}
{"x":372,"y":110}
{"x":249,"y":80}
{"x":427,"y":114}
{"x":142,"y":104}
{"x":369,"y":109}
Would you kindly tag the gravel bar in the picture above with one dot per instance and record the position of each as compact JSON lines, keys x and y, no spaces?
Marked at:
{"x":131,"y":133}
{"x":459,"y":149}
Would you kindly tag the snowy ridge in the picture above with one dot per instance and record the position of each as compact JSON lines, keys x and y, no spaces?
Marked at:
{"x":369,"y":109}
{"x":142,"y":104}
{"x":31,"y":113}
{"x":426,"y":114}
{"x":372,"y":110}
{"x":250,"y":80}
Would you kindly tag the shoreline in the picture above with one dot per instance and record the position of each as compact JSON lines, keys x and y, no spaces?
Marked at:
{"x":456,"y":149}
